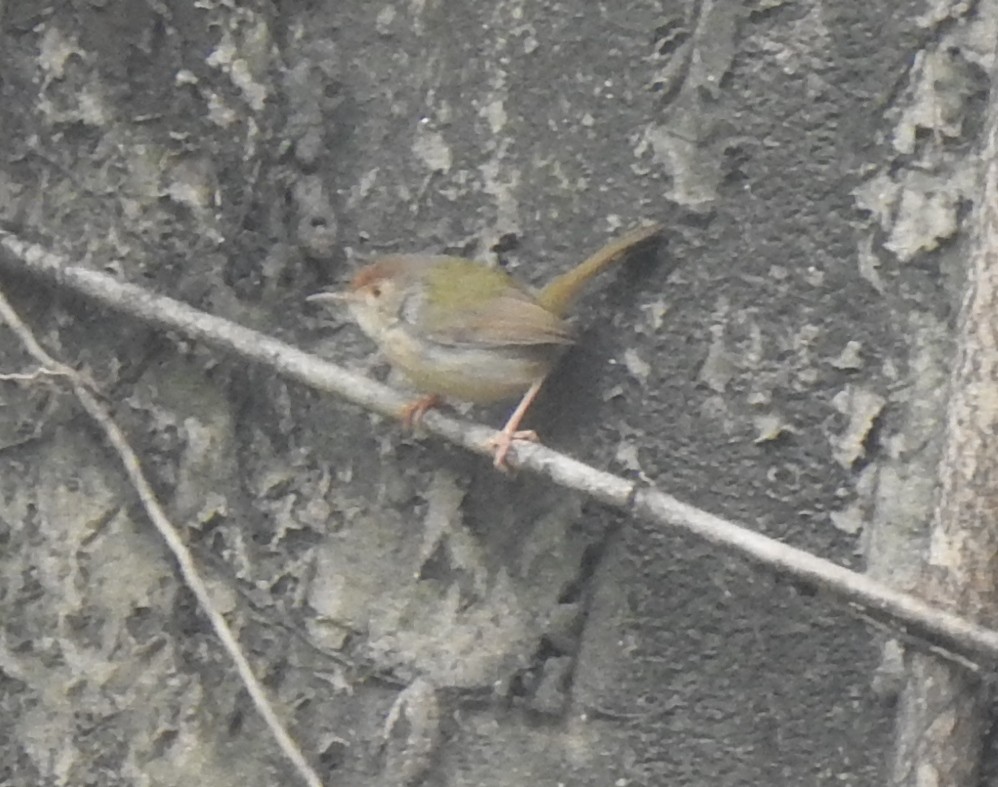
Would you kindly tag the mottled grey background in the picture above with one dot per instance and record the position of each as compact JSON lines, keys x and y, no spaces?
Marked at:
{"x":419,"y":618}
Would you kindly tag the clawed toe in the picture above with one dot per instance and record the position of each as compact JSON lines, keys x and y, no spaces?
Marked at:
{"x":413,"y":412}
{"x":503,"y":441}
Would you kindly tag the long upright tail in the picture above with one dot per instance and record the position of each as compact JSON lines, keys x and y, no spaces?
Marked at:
{"x":560,"y":293}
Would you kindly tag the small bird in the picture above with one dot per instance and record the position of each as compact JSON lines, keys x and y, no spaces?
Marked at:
{"x":462,"y":330}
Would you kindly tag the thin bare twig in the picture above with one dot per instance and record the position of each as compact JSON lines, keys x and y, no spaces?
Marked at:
{"x":167,"y":531}
{"x":913,"y":616}
{"x":31,"y":377}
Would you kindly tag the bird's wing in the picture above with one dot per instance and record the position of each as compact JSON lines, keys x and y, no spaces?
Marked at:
{"x":512,"y":317}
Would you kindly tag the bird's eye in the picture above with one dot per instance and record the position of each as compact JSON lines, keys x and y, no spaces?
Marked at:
{"x":376,"y":290}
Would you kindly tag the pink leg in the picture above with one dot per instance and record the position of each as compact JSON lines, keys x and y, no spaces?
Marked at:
{"x":413,"y":412}
{"x":503,"y":441}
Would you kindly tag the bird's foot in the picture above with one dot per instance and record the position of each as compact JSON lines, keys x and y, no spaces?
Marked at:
{"x":413,"y":412}
{"x":504,"y":440}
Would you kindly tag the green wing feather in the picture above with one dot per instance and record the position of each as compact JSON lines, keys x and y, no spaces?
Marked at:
{"x":475,"y":305}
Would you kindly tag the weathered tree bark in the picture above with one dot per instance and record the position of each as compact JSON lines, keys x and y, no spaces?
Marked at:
{"x":944,"y":710}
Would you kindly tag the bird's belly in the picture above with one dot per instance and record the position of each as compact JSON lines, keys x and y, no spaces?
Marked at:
{"x":473,"y":374}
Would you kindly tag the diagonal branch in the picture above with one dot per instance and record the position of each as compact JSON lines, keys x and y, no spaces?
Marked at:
{"x":936,"y":628}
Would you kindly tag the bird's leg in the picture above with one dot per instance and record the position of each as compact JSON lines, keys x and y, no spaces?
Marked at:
{"x":413,"y":412}
{"x":503,"y":441}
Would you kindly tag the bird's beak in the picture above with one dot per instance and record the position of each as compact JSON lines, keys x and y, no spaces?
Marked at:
{"x":328,"y":298}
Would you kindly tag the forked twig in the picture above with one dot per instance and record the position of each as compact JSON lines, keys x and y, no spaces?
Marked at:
{"x":155,"y":512}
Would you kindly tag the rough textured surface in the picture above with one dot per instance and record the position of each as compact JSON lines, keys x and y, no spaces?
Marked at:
{"x":418,"y":617}
{"x":944,"y":713}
